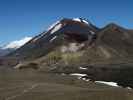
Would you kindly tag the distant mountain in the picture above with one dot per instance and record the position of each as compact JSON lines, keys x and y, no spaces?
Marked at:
{"x":12,"y":46}
{"x":17,"y":43}
{"x":4,"y":52}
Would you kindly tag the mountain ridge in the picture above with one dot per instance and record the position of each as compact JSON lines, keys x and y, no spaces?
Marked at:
{"x":48,"y":33}
{"x":98,"y":32}
{"x":72,"y":43}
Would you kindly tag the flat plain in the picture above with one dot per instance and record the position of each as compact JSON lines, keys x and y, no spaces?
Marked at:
{"x":32,"y":85}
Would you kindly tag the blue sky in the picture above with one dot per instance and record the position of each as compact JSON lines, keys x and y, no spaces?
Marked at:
{"x":21,"y":18}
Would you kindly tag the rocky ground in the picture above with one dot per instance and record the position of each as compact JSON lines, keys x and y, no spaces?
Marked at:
{"x":33,"y":85}
{"x":45,"y":68}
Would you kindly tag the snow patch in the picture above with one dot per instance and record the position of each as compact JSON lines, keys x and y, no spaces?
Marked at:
{"x":77,"y":19}
{"x":84,"y":79}
{"x":85,"y":22}
{"x":82,"y":68}
{"x":53,"y":38}
{"x":81,"y":20}
{"x":38,"y":37}
{"x":129,"y":88}
{"x":50,"y":27}
{"x":78,"y":74}
{"x":18,"y":43}
{"x":35,"y":39}
{"x":108,"y":83}
{"x":56,"y":28}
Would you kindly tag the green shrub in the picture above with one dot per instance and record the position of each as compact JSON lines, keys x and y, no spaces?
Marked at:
{"x":71,"y":58}
{"x":53,"y":57}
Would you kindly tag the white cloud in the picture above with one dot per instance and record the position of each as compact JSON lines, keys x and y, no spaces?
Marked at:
{"x":18,"y":43}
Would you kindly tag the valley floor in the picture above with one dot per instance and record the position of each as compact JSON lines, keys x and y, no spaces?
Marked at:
{"x":31,"y":85}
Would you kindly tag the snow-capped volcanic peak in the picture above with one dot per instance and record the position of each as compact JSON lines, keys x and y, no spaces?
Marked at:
{"x":81,"y":20}
{"x":58,"y":23}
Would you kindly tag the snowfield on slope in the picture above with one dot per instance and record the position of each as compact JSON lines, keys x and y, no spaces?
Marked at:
{"x":108,"y":83}
{"x":56,"y":28}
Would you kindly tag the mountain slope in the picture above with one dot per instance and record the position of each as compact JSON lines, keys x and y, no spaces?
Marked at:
{"x":63,"y":31}
{"x":17,"y":43}
{"x":4,"y":52}
{"x":112,"y":43}
{"x":76,"y":46}
{"x":117,"y":41}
